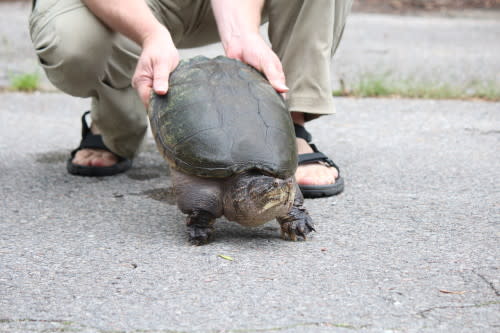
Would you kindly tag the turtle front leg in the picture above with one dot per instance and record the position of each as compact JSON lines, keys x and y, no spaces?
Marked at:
{"x":297,"y":223}
{"x":200,"y":226}
{"x":200,"y":199}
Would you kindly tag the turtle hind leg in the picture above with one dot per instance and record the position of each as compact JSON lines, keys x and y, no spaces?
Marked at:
{"x":297,"y":224}
{"x":200,"y":227}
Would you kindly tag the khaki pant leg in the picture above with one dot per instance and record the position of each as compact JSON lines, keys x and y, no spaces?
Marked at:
{"x":190,"y":22}
{"x":83,"y":58}
{"x":305,"y":35}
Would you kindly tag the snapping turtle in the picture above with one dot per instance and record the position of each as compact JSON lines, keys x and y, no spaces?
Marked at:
{"x":230,"y":143}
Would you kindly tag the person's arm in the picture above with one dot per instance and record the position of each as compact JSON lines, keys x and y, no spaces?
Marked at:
{"x":159,"y":56}
{"x":238,"y":24}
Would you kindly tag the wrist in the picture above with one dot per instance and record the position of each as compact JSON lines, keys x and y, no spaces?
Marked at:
{"x":237,"y":18}
{"x":235,"y":43}
{"x":154,"y":32}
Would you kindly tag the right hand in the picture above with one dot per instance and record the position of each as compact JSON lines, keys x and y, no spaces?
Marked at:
{"x":159,"y":57}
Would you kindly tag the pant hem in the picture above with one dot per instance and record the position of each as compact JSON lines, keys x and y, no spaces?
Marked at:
{"x":311,"y":107}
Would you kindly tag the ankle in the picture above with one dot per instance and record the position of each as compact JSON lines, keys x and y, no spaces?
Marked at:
{"x":94,"y":129}
{"x":298,"y":118}
{"x":302,"y":146}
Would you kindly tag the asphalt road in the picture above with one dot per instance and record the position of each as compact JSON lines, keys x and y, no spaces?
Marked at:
{"x":412,"y":245}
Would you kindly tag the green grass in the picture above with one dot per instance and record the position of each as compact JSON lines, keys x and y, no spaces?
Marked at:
{"x":382,"y":85}
{"x":26,"y":82}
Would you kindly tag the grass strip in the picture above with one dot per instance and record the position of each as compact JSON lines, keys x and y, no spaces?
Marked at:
{"x":26,"y":82}
{"x":382,"y":85}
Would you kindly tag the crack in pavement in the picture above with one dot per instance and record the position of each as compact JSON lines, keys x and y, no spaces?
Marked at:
{"x":489,"y":283}
{"x":281,"y":328}
{"x":423,"y":313}
{"x":70,"y":326}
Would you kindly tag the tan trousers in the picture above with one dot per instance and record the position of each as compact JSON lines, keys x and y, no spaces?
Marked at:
{"x":83,"y":58}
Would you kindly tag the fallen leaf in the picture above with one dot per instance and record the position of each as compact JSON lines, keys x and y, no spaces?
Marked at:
{"x":225,"y":257}
{"x":451,"y":292}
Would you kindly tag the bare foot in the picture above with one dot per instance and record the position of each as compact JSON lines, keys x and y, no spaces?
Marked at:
{"x":95,"y":157}
{"x":314,"y":173}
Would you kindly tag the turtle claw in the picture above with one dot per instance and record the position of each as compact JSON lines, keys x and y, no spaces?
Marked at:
{"x":199,"y":235}
{"x":297,"y":224}
{"x":296,"y":229}
{"x":200,"y":227}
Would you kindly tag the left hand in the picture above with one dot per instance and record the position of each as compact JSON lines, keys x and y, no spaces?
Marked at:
{"x":254,"y":51}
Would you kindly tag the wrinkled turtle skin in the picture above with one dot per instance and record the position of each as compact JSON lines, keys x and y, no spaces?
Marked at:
{"x":222,"y":117}
{"x":229,"y":141}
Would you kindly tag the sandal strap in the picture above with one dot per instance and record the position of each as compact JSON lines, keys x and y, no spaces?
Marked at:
{"x":317,"y":156}
{"x":89,"y":140}
{"x":85,"y":126}
{"x":301,"y":132}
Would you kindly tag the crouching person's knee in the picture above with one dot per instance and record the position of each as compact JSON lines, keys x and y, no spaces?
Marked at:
{"x":72,"y":49}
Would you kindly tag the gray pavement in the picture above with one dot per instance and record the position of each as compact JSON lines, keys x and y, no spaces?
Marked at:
{"x":412,"y":244}
{"x":419,"y":218}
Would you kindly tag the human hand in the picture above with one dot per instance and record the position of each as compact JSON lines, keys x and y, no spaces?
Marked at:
{"x":159,"y":57}
{"x":253,"y":50}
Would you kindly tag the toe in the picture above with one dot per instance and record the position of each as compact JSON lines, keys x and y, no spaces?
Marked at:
{"x":82,"y":157}
{"x":103,"y":159}
{"x":316,"y":174}
{"x":95,"y":157}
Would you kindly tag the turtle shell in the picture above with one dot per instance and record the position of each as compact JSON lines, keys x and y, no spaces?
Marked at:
{"x":221,"y":117}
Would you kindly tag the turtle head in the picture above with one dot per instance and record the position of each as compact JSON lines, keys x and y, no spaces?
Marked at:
{"x":269,"y":192}
{"x":257,"y":198}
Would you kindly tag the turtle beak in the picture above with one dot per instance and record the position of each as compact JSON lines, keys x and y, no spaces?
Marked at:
{"x":280,"y":193}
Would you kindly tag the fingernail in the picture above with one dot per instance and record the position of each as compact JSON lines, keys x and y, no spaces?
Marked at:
{"x":161,"y":89}
{"x":282,"y":86}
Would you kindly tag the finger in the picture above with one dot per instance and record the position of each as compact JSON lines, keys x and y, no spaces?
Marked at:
{"x":144,"y":90}
{"x":274,"y":73}
{"x":160,"y":78}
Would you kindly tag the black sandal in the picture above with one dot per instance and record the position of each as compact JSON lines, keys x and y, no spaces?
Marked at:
{"x":317,"y":191}
{"x":94,"y":141}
